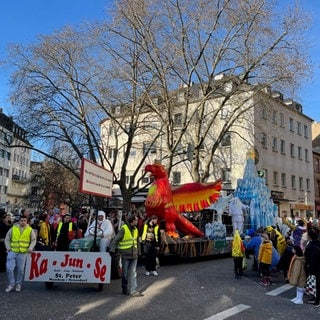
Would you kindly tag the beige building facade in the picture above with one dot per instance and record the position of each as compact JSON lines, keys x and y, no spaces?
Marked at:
{"x":275,"y":127}
{"x":14,"y":165}
{"x":316,"y":165}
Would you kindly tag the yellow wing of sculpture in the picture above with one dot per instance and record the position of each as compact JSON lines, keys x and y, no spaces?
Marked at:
{"x":195,"y":196}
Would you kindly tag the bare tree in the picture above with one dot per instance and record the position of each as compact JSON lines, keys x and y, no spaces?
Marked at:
{"x":146,"y":62}
{"x":61,"y":186}
{"x":186,"y":42}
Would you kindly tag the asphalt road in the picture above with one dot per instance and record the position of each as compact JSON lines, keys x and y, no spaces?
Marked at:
{"x":187,"y":291}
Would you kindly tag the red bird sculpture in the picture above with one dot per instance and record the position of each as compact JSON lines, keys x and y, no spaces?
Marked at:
{"x":167,"y":203}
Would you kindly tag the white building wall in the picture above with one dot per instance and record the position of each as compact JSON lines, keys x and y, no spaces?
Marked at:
{"x":270,"y":117}
{"x":280,"y":125}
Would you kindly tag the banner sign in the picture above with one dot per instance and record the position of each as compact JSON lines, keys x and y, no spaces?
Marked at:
{"x":68,"y":267}
{"x":95,"y":179}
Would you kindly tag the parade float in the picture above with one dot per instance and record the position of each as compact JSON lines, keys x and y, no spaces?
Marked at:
{"x":176,"y":205}
{"x":180,"y":237}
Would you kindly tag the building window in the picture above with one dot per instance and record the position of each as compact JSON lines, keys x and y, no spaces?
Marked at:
{"x":178,"y":119}
{"x":291,"y":128}
{"x":283,"y":147}
{"x":129,"y":179}
{"x":283,"y":180}
{"x":111,"y":130}
{"x":299,"y":153}
{"x":127,"y":127}
{"x":226,"y":140}
{"x":148,"y":148}
{"x":275,"y":178}
{"x":300,"y":183}
{"x":9,"y":139}
{"x":264,"y":140}
{"x":292,"y":150}
{"x":133,"y":152}
{"x":145,"y":180}
{"x":112,"y":153}
{"x":299,"y":131}
{"x":274,"y":144}
{"x":274,"y":116}
{"x":281,"y":120}
{"x":317,"y":168}
{"x":228,"y":87}
{"x":226,"y":175}
{"x":308,"y":184}
{"x":176,"y":177}
{"x":266,"y":175}
{"x":306,"y":155}
{"x":154,"y":125}
{"x":293,"y":182}
{"x":224,"y":112}
{"x":264,"y":113}
{"x":306,"y":132}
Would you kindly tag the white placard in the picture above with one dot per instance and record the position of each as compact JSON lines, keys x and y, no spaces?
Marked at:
{"x":95,"y":179}
{"x":68,"y":267}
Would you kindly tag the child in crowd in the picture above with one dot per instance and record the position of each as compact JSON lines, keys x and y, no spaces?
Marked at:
{"x":265,"y":259}
{"x":297,"y":274}
{"x":238,"y":251}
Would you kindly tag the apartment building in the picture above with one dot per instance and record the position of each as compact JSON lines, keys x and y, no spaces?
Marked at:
{"x":14,"y":165}
{"x":284,"y":142}
{"x":274,"y":126}
{"x":316,"y":165}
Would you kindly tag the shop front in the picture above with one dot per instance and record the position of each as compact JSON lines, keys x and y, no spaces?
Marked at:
{"x":302,"y":210}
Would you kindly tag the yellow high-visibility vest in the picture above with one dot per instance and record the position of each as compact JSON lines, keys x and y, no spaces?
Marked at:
{"x":20,"y":242}
{"x":129,"y":240}
{"x":145,"y":229}
{"x":60,"y":226}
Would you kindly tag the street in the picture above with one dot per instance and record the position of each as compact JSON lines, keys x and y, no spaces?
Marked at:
{"x":189,"y":291}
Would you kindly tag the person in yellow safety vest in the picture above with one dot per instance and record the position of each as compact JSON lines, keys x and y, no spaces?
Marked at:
{"x":126,"y":242}
{"x":151,"y":244}
{"x":20,"y":240}
{"x":65,"y":227}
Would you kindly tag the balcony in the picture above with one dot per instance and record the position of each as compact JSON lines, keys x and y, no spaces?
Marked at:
{"x":16,"y":178}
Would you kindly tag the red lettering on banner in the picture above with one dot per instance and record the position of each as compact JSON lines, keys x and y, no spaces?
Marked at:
{"x":100,"y":271}
{"x":38,"y":267}
{"x":71,"y":262}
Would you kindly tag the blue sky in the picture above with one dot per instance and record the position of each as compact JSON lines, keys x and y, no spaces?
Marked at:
{"x":22,"y":20}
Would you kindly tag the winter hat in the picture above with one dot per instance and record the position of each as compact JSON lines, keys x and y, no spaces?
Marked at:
{"x":101,"y":213}
{"x":250,"y":232}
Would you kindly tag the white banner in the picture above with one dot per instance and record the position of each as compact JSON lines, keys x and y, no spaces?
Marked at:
{"x":72,"y":267}
{"x":95,"y":179}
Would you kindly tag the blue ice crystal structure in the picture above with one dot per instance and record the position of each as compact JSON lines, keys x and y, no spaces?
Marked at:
{"x":253,"y":192}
